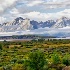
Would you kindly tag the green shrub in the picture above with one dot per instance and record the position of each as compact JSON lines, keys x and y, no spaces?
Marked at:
{"x":20,"y":61}
{"x":7,"y":67}
{"x":17,"y":67}
{"x":1,"y":47}
{"x":37,"y":60}
{"x":14,"y":60}
{"x":55,"y":58}
{"x":66,"y":60}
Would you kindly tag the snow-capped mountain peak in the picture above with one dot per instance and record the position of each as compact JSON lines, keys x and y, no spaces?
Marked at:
{"x":20,"y":24}
{"x":62,"y":22}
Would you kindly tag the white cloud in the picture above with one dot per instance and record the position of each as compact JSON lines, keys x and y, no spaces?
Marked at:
{"x":4,"y":4}
{"x":2,"y":19}
{"x":56,"y":4}
{"x":48,"y":4}
{"x":37,"y":16}
{"x":14,"y":11}
{"x":33,"y":3}
{"x":45,"y":16}
{"x":65,"y":12}
{"x":45,"y":4}
{"x":45,"y":31}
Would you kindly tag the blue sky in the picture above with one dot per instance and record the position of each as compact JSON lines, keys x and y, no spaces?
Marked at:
{"x":39,"y":10}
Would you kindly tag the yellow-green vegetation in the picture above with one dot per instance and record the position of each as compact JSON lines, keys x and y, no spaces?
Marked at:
{"x":35,"y":55}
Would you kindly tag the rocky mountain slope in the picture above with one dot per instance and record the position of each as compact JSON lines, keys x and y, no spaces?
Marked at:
{"x":17,"y":25}
{"x":20,"y":24}
{"x":62,"y":22}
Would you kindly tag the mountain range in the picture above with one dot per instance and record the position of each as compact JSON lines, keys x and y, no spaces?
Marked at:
{"x":20,"y":24}
{"x":49,"y":27}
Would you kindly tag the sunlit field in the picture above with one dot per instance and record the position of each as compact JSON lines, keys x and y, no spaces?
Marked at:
{"x":35,"y":55}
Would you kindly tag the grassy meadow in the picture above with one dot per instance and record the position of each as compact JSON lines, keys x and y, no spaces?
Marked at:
{"x":35,"y":55}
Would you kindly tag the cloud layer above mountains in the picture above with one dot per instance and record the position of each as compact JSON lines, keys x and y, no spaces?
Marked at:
{"x":60,"y":32}
{"x":39,"y":10}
